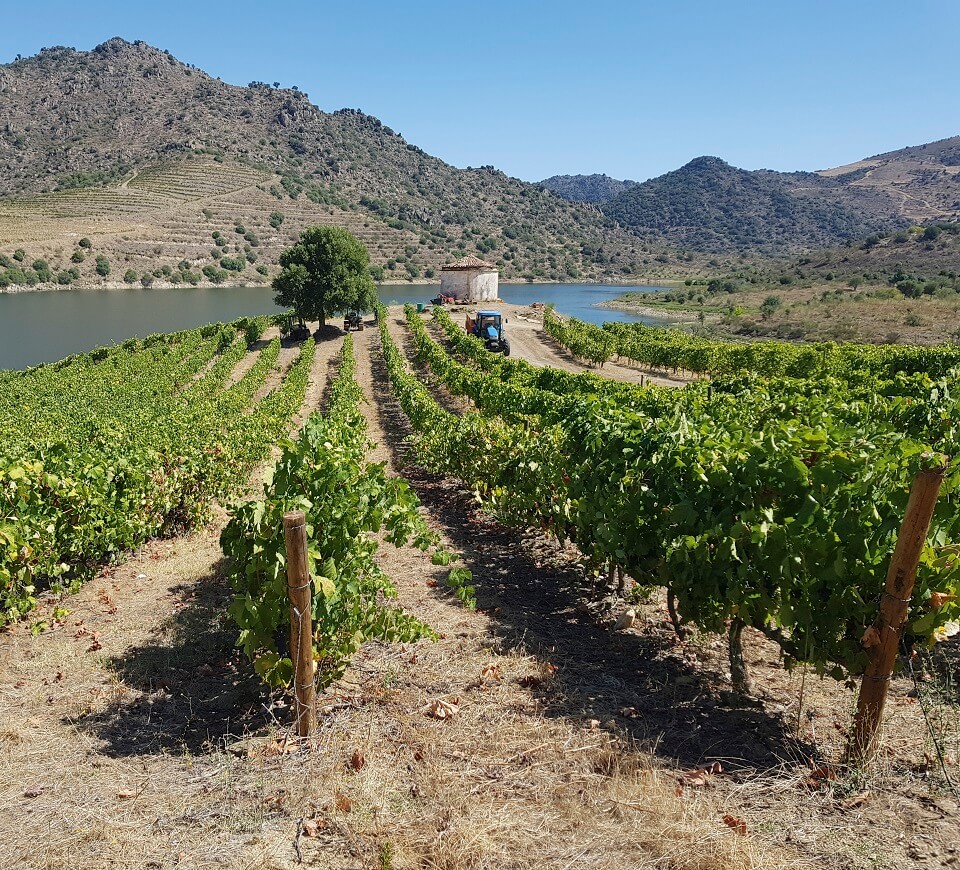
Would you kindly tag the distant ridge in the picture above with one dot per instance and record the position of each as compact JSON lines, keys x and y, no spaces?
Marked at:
{"x":713,"y":207}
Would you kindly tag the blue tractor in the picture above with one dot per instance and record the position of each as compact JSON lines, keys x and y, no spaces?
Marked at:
{"x":488,"y":327}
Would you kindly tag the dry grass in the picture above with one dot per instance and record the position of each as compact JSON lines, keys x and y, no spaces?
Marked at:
{"x":159,"y":748}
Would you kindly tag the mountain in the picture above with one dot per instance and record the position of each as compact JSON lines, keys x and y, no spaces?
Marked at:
{"x":587,"y":188}
{"x":708,"y":205}
{"x":158,"y":163}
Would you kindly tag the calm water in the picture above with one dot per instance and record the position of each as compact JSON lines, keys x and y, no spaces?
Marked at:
{"x":44,"y":327}
{"x":576,"y":300}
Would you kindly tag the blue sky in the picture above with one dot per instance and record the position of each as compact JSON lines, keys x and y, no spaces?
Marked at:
{"x":540,"y":88}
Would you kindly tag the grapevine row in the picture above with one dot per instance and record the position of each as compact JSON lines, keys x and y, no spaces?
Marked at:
{"x":346,"y":500}
{"x":785,"y":522}
{"x":128,"y":445}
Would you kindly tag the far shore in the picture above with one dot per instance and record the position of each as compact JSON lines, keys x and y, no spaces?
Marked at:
{"x":646,"y":310}
{"x":166,"y":285}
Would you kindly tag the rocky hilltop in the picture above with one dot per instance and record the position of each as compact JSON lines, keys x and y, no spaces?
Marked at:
{"x":595,"y":188}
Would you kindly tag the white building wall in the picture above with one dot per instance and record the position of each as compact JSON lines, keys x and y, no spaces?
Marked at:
{"x":471,"y":284}
{"x":455,"y":282}
{"x":487,"y":287}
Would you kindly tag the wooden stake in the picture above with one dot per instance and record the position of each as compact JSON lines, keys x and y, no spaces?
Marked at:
{"x":893,"y":614}
{"x":301,"y":626}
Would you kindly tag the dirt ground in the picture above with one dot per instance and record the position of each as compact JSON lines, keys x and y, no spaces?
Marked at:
{"x":133,"y":735}
{"x":528,"y":341}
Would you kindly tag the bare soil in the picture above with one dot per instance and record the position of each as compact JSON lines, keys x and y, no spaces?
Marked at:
{"x":528,"y":341}
{"x":133,"y":735}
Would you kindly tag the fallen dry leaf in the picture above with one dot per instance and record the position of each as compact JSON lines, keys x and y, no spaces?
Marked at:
{"x":820,"y":775}
{"x":629,"y":712}
{"x":126,"y":794}
{"x":699,"y":777}
{"x":441,"y":709}
{"x":95,"y":644}
{"x":280,"y":746}
{"x":529,"y":681}
{"x":737,"y":824}
{"x":277,"y":799}
{"x":491,"y":671}
{"x":313,"y":827}
{"x":33,"y":791}
{"x":854,"y":801}
{"x":344,"y":804}
{"x":357,"y":761}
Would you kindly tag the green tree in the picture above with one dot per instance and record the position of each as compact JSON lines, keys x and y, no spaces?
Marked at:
{"x":103,"y":266}
{"x":325,"y":273}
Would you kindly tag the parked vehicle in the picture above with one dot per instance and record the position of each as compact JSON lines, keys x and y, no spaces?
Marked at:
{"x":488,"y":327}
{"x":353,"y":322}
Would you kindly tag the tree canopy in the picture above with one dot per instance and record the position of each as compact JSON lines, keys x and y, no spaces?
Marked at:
{"x":325,"y":273}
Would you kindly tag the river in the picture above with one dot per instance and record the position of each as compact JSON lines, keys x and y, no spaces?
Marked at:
{"x":38,"y":327}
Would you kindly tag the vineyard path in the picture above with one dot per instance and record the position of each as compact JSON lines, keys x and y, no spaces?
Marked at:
{"x":529,"y":342}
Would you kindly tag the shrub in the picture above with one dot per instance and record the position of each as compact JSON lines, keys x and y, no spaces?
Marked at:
{"x":276,"y":218}
{"x":263,"y":270}
{"x":77,"y":257}
{"x":130,"y":276}
{"x":85,"y":243}
{"x":233,"y":264}
{"x":103,"y":266}
{"x":19,"y":255}
{"x":64,"y":277}
{"x":215,"y":275}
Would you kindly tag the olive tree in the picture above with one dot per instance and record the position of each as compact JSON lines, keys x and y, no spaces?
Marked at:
{"x":325,"y":273}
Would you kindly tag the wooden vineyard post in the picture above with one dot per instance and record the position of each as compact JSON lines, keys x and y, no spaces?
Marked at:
{"x":893,"y":613}
{"x":301,"y":626}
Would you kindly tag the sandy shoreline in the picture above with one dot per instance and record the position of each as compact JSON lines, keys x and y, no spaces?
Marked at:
{"x":649,"y":311}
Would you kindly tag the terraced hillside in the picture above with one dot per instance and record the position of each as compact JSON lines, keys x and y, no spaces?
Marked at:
{"x":146,"y":157}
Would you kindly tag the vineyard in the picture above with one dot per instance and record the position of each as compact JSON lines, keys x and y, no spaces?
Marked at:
{"x":760,"y":503}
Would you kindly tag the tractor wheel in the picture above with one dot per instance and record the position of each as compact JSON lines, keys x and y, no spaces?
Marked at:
{"x":506,"y":348}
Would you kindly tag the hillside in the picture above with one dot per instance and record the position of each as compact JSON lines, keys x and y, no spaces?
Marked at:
{"x":923,"y":180}
{"x":710,"y":206}
{"x":148,"y":157}
{"x":597,"y":188}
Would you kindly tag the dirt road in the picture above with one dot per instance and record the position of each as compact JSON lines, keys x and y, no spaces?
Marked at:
{"x":528,"y":341}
